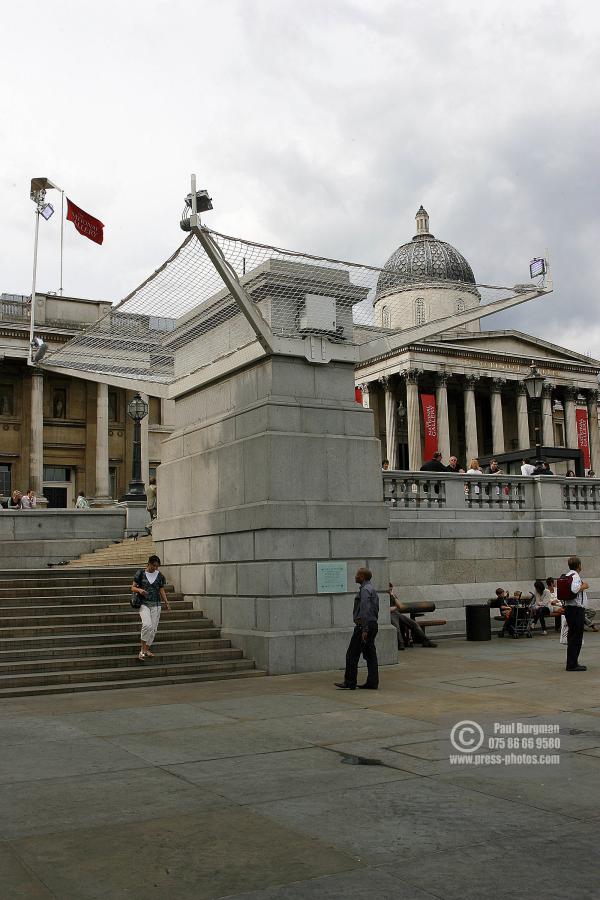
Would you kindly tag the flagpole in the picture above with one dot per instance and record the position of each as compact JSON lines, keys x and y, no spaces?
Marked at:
{"x":62,"y":233}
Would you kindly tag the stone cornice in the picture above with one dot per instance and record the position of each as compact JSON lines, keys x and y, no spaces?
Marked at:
{"x":489,"y":355}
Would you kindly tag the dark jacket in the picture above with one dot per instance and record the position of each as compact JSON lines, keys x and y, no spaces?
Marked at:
{"x":433,"y":465}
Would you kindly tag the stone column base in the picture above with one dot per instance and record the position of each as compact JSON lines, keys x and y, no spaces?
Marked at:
{"x":137,"y":517}
{"x":319,"y":650}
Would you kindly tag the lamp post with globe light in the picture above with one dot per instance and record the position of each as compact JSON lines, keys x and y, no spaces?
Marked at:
{"x":137,"y":409}
{"x":534,"y":383}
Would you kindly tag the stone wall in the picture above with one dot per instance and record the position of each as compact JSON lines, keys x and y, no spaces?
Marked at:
{"x":30,"y":539}
{"x":456,"y":548}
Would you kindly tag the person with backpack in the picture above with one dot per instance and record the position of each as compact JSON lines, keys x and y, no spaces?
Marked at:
{"x":572,"y":593}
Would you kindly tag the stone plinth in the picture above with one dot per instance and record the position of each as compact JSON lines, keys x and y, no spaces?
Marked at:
{"x":268,"y":472}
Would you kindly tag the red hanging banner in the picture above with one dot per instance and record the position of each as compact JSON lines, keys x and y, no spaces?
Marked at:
{"x":358,"y":395}
{"x":583,"y":436}
{"x":430,"y":423}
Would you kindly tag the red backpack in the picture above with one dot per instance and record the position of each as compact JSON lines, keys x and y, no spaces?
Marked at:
{"x":564,"y":591}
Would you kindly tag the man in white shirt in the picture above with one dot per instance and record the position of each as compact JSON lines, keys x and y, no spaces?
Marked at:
{"x":575,"y":614}
{"x":527,"y":468}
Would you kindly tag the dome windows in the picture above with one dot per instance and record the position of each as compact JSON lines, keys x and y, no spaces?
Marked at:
{"x":460,"y":305}
{"x":420,"y":313}
{"x":386,"y":317}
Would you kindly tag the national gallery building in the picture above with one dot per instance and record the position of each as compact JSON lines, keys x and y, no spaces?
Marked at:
{"x":462,"y":391}
{"x":59,"y":433}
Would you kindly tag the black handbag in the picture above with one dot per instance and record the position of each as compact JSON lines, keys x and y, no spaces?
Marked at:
{"x":136,"y":599}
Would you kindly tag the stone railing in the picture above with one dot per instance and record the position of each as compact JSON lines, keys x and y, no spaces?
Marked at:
{"x":431,"y":490}
{"x":423,"y":490}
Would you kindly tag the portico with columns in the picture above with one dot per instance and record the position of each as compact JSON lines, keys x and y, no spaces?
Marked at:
{"x":476,"y":376}
{"x":480,"y":412}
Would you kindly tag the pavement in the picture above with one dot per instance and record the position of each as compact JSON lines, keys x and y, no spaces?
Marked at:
{"x":284,"y":789}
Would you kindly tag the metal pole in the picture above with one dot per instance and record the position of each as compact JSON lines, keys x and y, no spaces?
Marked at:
{"x":62,"y":232}
{"x":32,"y":311}
{"x":538,"y":422}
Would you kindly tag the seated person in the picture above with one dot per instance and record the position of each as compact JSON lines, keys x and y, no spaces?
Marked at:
{"x":401,"y":620}
{"x":551,"y":601}
{"x":508,"y":610}
{"x":538,"y":605}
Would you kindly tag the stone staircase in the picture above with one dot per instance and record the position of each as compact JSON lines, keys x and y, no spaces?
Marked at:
{"x":131,"y":552}
{"x":71,"y":628}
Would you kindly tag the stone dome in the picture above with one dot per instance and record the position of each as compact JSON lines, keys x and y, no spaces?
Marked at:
{"x":424,"y":259}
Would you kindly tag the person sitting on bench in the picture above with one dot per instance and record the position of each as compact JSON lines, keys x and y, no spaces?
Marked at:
{"x":400,"y":620}
{"x":508,"y":610}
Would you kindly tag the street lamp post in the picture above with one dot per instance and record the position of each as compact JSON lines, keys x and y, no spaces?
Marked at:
{"x":137,"y":409}
{"x":534,"y":382}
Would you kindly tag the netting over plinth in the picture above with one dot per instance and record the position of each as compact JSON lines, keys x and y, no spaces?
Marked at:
{"x":183,"y":319}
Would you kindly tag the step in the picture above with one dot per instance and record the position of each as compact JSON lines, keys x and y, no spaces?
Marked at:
{"x":93,"y":617}
{"x":32,"y":575}
{"x":67,"y":590}
{"x":130,"y":637}
{"x":26,"y":604}
{"x":170,"y":680}
{"x":106,"y":608}
{"x":151,"y":669}
{"x":126,"y":648}
{"x":166,"y":623}
{"x":174,"y":657}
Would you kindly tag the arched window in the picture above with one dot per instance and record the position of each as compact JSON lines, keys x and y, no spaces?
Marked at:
{"x":386,"y":318}
{"x":460,"y":306}
{"x":420,"y":317}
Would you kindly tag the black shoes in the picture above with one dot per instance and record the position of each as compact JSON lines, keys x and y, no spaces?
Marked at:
{"x":368,"y":687}
{"x":345,"y":687}
{"x":577,"y":669}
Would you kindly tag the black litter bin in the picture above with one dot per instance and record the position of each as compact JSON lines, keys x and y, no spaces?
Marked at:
{"x":477,"y":619}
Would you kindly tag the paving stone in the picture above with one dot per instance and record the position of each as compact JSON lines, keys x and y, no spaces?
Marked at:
{"x":177,"y":746}
{"x":17,"y":882}
{"x":192,"y":857}
{"x":272,"y":706}
{"x":404,"y":816}
{"x":53,"y":759}
{"x":153,"y":718}
{"x":378,"y":884}
{"x":274,"y":776}
{"x":65,"y":804}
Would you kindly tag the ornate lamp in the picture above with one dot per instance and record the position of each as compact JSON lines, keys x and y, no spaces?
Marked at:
{"x":137,"y":409}
{"x":534,"y":383}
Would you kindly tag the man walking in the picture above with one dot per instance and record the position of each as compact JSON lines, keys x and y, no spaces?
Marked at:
{"x":365,"y":615}
{"x":575,"y":614}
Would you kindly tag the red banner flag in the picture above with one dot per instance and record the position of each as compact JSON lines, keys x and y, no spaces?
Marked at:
{"x":583,"y":436}
{"x":85,"y":224}
{"x":358,"y":395}
{"x":430,"y":423}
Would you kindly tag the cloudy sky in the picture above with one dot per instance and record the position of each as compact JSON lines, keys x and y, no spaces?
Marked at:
{"x":318,"y":125}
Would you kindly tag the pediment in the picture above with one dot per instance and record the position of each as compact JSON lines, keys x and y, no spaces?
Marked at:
{"x":513,"y":343}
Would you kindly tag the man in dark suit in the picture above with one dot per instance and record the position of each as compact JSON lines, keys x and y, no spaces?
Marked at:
{"x":435,"y":464}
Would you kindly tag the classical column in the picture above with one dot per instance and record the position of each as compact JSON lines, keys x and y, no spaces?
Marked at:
{"x":522,"y":417}
{"x":391,"y":422}
{"x":102,"y":479}
{"x":36,"y":443}
{"x":441,"y":402}
{"x":144,"y":443}
{"x":547,"y":424}
{"x":594,"y":430}
{"x":415,"y":455}
{"x":570,"y":417}
{"x":472,"y":446}
{"x":497,"y":417}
